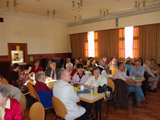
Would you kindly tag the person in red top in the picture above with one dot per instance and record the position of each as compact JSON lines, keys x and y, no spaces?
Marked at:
{"x":36,"y":67}
{"x":10,"y":109}
{"x":69,"y":67}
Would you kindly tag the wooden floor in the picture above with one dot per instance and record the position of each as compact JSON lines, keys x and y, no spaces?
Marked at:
{"x":151,"y":112}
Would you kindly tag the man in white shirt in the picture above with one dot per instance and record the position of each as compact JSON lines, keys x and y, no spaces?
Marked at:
{"x":101,"y":67}
{"x":66,"y":93}
{"x":134,"y":86}
{"x":152,"y":78}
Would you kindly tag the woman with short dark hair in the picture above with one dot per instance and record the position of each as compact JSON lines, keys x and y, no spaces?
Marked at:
{"x":80,"y":76}
{"x":24,"y":76}
{"x":14,"y":75}
{"x":36,"y":67}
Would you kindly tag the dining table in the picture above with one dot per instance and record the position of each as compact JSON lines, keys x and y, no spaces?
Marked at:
{"x":86,"y":96}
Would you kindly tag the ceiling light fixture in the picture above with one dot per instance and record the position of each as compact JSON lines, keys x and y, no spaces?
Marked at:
{"x":7,"y":6}
{"x":104,"y":13}
{"x":140,"y":6}
{"x":78,"y":19}
{"x":78,"y":7}
{"x":53,"y":15}
{"x":13,"y":7}
{"x":15,"y":4}
{"x":48,"y":14}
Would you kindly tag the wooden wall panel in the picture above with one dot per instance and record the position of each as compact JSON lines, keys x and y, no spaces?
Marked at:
{"x":5,"y":63}
{"x":40,"y":56}
{"x":4,"y":58}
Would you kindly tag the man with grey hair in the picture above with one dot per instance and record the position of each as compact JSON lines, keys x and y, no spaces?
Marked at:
{"x":53,"y":71}
{"x":152,"y":78}
{"x":66,"y":93}
{"x":15,"y":92}
{"x":101,"y":67}
{"x":69,"y":67}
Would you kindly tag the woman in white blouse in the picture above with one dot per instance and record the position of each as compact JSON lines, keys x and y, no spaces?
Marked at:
{"x":96,"y":80}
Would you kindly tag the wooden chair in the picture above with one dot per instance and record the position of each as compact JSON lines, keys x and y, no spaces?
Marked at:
{"x":37,"y":111}
{"x":113,"y":70}
{"x":59,"y":108}
{"x":31,"y":90}
{"x":23,"y":103}
{"x":38,"y":100}
{"x":4,"y":81}
{"x":110,"y":83}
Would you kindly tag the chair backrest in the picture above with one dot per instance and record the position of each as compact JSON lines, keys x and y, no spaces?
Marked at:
{"x":113,"y":70}
{"x":31,"y":90}
{"x":23,"y":103}
{"x":4,"y":81}
{"x":59,"y":107}
{"x":37,"y":97}
{"x":121,"y":92}
{"x":37,"y":111}
{"x":110,"y":83}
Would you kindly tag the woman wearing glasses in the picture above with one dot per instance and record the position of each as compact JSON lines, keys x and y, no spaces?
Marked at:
{"x":44,"y":93}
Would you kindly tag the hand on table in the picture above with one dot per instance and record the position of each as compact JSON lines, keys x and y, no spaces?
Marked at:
{"x":95,"y":88}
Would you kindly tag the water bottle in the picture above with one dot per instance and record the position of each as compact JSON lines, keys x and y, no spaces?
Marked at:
{"x":92,"y":89}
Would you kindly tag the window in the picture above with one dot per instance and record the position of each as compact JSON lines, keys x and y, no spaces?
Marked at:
{"x":129,"y":42}
{"x":91,"y":45}
{"x":132,"y":42}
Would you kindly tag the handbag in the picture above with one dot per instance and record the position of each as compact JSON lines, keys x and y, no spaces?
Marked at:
{"x":103,"y":89}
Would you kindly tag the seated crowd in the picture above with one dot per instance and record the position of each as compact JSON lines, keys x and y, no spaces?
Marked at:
{"x":69,"y":74}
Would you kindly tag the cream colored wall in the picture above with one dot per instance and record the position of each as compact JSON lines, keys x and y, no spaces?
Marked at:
{"x":142,"y":19}
{"x":41,"y":37}
{"x":46,"y":37}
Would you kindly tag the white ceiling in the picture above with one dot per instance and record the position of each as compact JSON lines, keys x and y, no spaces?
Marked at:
{"x":64,"y":11}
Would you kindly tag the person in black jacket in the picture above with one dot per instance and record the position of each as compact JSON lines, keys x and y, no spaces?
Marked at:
{"x":14,"y":75}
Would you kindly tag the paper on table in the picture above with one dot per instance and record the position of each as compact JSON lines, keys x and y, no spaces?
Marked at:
{"x":95,"y":94}
{"x":50,"y":81}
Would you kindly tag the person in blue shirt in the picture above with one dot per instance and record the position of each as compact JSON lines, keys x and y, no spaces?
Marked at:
{"x":128,"y":65}
{"x":137,"y":71}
